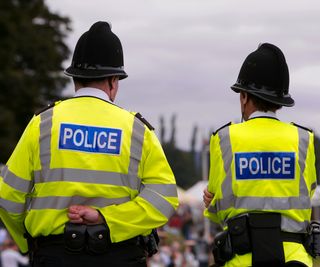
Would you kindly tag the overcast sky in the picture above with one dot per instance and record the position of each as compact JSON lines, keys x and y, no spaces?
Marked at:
{"x":182,"y":56}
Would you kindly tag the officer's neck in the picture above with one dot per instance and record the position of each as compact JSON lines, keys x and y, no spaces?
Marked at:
{"x":247,"y":109}
{"x":99,"y":85}
{"x":254,"y":113}
{"x":264,"y":114}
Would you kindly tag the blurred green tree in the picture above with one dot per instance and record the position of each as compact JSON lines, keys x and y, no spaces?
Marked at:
{"x":183,"y":163}
{"x":32,"y":50}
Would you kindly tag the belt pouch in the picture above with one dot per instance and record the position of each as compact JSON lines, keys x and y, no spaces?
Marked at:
{"x":222,"y":249}
{"x":98,"y":238}
{"x":75,"y":237}
{"x":267,"y":248}
{"x":312,"y":240}
{"x":239,"y":233}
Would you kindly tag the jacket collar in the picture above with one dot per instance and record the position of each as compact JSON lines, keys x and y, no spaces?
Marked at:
{"x":88,"y":91}
{"x":261,"y":114}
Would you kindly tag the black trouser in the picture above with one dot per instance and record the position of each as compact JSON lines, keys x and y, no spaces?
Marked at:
{"x":55,"y":255}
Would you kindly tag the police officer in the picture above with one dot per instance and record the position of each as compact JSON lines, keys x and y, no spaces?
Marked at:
{"x":88,"y":180}
{"x":262,"y":172}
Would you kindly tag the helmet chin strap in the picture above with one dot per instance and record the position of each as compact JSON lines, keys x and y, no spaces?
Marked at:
{"x":242,"y":113}
{"x":242,"y":117}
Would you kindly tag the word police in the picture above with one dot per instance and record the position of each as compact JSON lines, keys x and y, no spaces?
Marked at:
{"x":90,"y":139}
{"x":265,"y":165}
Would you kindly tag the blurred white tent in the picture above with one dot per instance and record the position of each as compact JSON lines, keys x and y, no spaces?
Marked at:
{"x":184,"y":197}
{"x":196,"y":192}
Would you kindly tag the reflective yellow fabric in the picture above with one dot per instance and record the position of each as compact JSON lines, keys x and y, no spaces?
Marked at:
{"x":293,"y":252}
{"x":119,"y":185}
{"x":21,"y":164}
{"x":290,"y":197}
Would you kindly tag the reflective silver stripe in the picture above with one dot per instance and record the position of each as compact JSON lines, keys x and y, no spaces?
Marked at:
{"x":303,"y":148}
{"x":88,"y":176}
{"x":225,"y":145}
{"x":12,"y":207}
{"x":269,"y":203}
{"x":168,"y":190}
{"x":137,"y":138}
{"x":15,"y":181}
{"x":289,"y":225}
{"x":59,"y":203}
{"x":261,"y":203}
{"x":157,"y":201}
{"x":45,"y":140}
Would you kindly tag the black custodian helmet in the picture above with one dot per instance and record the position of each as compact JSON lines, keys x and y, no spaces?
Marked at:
{"x":98,"y":53}
{"x":265,"y":74}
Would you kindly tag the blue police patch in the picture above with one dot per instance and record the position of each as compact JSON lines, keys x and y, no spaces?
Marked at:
{"x":90,"y":139}
{"x":265,"y":165}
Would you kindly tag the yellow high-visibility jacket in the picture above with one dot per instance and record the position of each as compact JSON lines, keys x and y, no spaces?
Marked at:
{"x":263,"y":164}
{"x":86,"y":151}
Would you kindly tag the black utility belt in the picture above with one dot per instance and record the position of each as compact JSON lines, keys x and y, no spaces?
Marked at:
{"x":94,"y":239}
{"x":77,"y":238}
{"x":258,"y":233}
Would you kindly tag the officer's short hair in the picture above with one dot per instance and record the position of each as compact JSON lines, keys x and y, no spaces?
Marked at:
{"x":85,"y":82}
{"x":263,"y":105}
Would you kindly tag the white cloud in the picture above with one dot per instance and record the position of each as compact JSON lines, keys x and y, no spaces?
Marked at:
{"x":307,"y":77}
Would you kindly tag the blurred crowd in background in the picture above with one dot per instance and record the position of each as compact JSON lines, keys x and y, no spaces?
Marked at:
{"x":9,"y":252}
{"x":185,"y":241}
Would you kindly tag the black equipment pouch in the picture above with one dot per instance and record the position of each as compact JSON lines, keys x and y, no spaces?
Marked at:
{"x":312,"y":244}
{"x":222,"y":248}
{"x":150,"y":243}
{"x":265,"y":231}
{"x":75,"y":237}
{"x":153,"y":242}
{"x":239,"y":234}
{"x":98,"y":238}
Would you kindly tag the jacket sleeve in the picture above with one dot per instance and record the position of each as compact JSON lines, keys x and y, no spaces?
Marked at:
{"x":156,"y":200}
{"x":312,"y":164}
{"x":317,"y":156}
{"x":15,"y":184}
{"x":216,"y":174}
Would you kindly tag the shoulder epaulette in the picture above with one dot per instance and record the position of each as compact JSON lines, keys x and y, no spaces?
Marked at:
{"x":141,"y":118}
{"x":51,"y":105}
{"x":302,"y":127}
{"x":226,"y":125}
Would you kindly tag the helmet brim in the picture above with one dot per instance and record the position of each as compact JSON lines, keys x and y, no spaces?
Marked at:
{"x":286,"y":100}
{"x":95,"y":73}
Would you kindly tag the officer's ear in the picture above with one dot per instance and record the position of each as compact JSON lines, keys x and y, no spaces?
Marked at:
{"x":244,"y":97}
{"x":113,"y":82}
{"x":113,"y":87}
